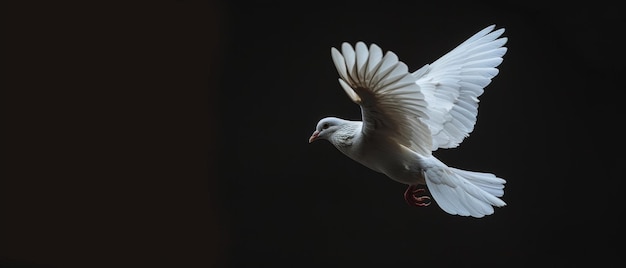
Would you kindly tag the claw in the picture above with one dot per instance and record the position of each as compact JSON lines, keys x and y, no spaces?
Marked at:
{"x":416,"y":197}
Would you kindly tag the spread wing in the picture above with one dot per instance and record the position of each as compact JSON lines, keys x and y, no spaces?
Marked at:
{"x":392,"y":104}
{"x":452,"y":84}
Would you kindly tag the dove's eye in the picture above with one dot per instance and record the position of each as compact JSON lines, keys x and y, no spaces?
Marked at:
{"x":325,"y":126}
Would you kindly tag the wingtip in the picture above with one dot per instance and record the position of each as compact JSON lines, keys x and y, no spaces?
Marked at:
{"x":492,"y":29}
{"x":346,"y":47}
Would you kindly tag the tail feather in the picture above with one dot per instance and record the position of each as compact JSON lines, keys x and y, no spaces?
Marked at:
{"x":486,"y":181}
{"x":465,"y":193}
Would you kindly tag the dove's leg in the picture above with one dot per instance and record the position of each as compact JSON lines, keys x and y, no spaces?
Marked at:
{"x":415,"y":196}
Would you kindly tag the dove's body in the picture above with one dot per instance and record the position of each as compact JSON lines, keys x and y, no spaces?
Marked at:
{"x":379,"y":153}
{"x":406,"y":116}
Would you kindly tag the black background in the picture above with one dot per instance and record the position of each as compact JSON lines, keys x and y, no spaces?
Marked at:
{"x":175,"y":135}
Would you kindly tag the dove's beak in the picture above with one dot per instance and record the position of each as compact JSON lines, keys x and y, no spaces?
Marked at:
{"x":314,"y":136}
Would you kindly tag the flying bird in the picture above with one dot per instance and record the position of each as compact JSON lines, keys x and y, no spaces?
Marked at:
{"x":406,"y":116}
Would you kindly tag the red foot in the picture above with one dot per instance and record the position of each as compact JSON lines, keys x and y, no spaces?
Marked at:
{"x":416,"y":197}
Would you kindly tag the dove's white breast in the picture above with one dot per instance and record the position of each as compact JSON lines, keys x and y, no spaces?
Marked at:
{"x":385,"y":155}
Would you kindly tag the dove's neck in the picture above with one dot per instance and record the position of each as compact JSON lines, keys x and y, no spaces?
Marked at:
{"x":345,"y":136}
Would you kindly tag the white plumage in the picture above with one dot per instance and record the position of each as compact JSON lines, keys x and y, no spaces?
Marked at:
{"x":406,"y":116}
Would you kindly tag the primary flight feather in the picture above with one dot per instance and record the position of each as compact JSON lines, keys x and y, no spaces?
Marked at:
{"x":408,"y":115}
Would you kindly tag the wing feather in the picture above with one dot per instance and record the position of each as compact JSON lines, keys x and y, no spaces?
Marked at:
{"x":361,"y":59}
{"x":349,"y":60}
{"x":375,"y":57}
{"x":452,"y":84}
{"x":339,"y":62}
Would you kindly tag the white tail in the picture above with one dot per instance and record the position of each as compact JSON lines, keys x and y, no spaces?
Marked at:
{"x":465,"y":193}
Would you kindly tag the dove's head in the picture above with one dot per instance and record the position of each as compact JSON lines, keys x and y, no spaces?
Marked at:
{"x":325,"y":128}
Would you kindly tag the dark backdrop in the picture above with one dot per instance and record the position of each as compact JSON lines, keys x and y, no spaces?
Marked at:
{"x":175,"y":135}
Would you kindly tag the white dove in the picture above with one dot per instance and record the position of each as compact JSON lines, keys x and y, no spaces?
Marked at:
{"x":406,"y":116}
